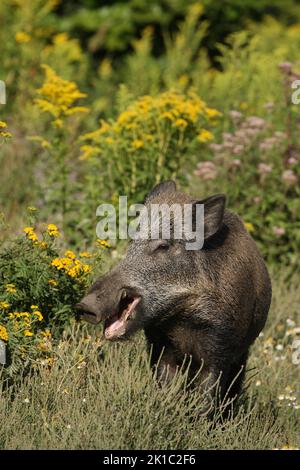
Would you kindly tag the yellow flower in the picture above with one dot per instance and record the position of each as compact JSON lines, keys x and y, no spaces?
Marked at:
{"x":244,"y":105}
{"x":109,"y":140}
{"x":46,"y":334}
{"x":87,"y":268}
{"x":212,"y":113}
{"x":52,"y":282}
{"x":137,"y":144}
{"x":4,"y":305}
{"x":43,"y":245}
{"x":105,"y":68}
{"x":205,"y":136}
{"x":45,"y":144}
{"x":34,"y":307}
{"x":183,"y":80}
{"x":102,"y":243}
{"x":180,"y":123}
{"x":249,"y":226}
{"x":58,"y":96}
{"x":3,"y":130}
{"x":85,"y":254}
{"x":61,"y":38}
{"x":30,"y":234}
{"x":5,"y":135}
{"x":38,"y":314}
{"x":61,"y":263}
{"x":88,"y":151}
{"x":70,"y":254}
{"x":22,"y":38}
{"x":52,"y":230}
{"x":58,"y":123}
{"x":167,"y":115}
{"x":73,"y":267}
{"x":3,"y":333}
{"x":127,"y":116}
{"x":28,"y":333}
{"x":31,"y":209}
{"x":10,"y":288}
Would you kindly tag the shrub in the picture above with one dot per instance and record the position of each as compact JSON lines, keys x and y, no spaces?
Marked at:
{"x":38,"y":289}
{"x":147,"y":142}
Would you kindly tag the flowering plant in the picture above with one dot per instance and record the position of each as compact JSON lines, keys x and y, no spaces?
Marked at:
{"x":38,"y":289}
{"x":250,"y":161}
{"x":57,"y":99}
{"x":148,"y":141}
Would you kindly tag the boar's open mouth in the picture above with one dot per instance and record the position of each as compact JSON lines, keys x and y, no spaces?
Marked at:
{"x":115,"y":325}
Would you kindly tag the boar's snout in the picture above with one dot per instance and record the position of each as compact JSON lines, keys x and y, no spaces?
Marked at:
{"x":88,"y":310}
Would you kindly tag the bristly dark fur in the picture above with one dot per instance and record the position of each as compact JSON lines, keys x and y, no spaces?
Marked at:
{"x":208,"y":305}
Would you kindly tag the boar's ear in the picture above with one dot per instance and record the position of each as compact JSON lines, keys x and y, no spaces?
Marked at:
{"x":214,"y":207}
{"x":160,"y":188}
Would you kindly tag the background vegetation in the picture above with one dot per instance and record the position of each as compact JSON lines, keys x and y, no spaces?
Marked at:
{"x":106,"y":99}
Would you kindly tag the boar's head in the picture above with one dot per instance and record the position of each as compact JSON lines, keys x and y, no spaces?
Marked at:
{"x":156,"y":277}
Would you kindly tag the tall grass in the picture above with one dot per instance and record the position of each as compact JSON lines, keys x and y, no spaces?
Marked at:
{"x":110,"y":400}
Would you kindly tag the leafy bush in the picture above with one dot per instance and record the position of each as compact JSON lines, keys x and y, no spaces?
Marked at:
{"x":38,"y":290}
{"x":148,"y":142}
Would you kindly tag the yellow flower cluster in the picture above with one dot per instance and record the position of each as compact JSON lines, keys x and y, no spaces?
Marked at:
{"x":58,"y":97}
{"x":27,"y":316}
{"x":146,"y":119}
{"x":10,"y":288}
{"x":52,"y":230}
{"x":3,"y":130}
{"x":4,"y":305}
{"x":71,"y":265}
{"x":24,"y":321}
{"x":3,"y":333}
{"x":30,"y":234}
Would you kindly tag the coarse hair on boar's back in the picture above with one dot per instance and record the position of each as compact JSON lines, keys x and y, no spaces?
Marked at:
{"x":203,"y":307}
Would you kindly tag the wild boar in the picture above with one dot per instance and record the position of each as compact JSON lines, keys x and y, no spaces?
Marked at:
{"x":206,"y":305}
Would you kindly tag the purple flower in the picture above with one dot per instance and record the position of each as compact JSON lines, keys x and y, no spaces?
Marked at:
{"x":254,"y":121}
{"x":264,"y":169}
{"x":279,"y":231}
{"x":267,"y":144}
{"x":236,"y":163}
{"x":289,"y":177}
{"x":292,"y":161}
{"x":227,"y":136}
{"x":228,"y":145}
{"x":280,"y":135}
{"x":235,"y":115}
{"x":206,"y":170}
{"x":241,"y":134}
{"x":252,"y":131}
{"x":215,"y":147}
{"x":238,"y":149}
{"x":285,"y":66}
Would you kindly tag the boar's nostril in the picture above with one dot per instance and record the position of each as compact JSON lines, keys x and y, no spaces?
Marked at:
{"x":80,"y":306}
{"x":84,"y":311}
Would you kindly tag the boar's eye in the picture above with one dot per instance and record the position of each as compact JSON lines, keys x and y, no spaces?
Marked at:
{"x":160,"y":245}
